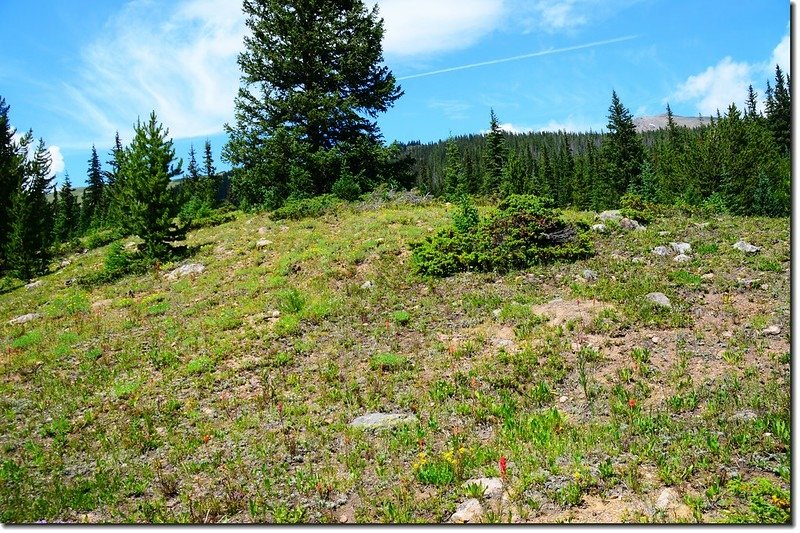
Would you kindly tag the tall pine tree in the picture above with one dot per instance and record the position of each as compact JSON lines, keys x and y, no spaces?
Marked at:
{"x":312,"y":85}
{"x":93,"y":204}
{"x":145,"y":201}
{"x":68,"y":212}
{"x":622,"y":153}
{"x":494,"y":157}
{"x":12,"y":156}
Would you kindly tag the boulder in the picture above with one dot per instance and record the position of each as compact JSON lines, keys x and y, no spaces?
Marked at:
{"x":469,"y":512}
{"x":382,"y":420}
{"x":682,"y":258}
{"x":33,"y":285}
{"x":600,"y":228}
{"x":681,"y":247}
{"x":492,"y":486}
{"x":610,"y":215}
{"x":24,"y":318}
{"x":662,"y":251}
{"x":186,"y":270}
{"x":589,"y":275}
{"x":630,"y":224}
{"x":263,"y":243}
{"x":746,"y":247}
{"x":772,"y":330}
{"x":659,"y":298}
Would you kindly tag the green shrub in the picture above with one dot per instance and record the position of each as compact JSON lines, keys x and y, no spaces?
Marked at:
{"x":466,"y":217}
{"x":297,"y":208}
{"x":118,"y":263}
{"x":635,"y":207}
{"x":98,"y":238}
{"x":388,"y":361}
{"x":346,"y":188}
{"x":525,"y":231}
{"x":402,"y":317}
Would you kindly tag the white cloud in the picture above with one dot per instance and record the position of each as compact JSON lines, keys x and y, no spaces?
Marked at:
{"x":57,"y":158}
{"x":179,"y":60}
{"x":569,"y":125}
{"x":781,"y":55}
{"x":510,"y":128}
{"x":717,"y":87}
{"x":423,"y":27}
{"x":452,"y":109}
{"x":556,"y":16}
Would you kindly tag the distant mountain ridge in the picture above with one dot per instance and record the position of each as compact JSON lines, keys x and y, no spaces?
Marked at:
{"x":657,"y":122}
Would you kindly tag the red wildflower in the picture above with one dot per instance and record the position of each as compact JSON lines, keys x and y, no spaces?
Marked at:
{"x":631,"y":403}
{"x":502,"y":466}
{"x":206,"y":438}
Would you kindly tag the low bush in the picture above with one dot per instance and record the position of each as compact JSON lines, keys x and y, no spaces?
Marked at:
{"x":635,"y":207}
{"x":118,"y":263}
{"x":297,"y":208}
{"x":525,"y":231}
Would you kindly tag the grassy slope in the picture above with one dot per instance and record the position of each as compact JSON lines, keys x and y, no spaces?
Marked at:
{"x":189,"y":401}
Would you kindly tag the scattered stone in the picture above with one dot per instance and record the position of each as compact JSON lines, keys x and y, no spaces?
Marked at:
{"x":343,"y":519}
{"x":65,"y":263}
{"x":131,"y":247}
{"x":682,"y":258}
{"x":772,"y":330}
{"x":601,"y":228}
{"x":284,"y":228}
{"x":747,"y":283}
{"x":24,"y":318}
{"x":262,"y":231}
{"x":276,"y":314}
{"x":710,"y":275}
{"x":765,"y":286}
{"x":659,"y":298}
{"x":681,"y":247}
{"x":614,"y":214}
{"x":663,"y":233}
{"x":70,"y":281}
{"x":34,"y":284}
{"x":186,"y":270}
{"x":637,"y":260}
{"x":668,"y":498}
{"x":496,"y":313}
{"x":382,"y":420}
{"x":630,"y":224}
{"x":589,"y":275}
{"x":469,"y":512}
{"x":368,"y":285}
{"x":745,"y":416}
{"x":662,"y":251}
{"x":746,"y":247}
{"x":263,"y":243}
{"x":492,"y":486}
{"x":655,"y":339}
{"x":702,"y":225}
{"x":563,"y":399}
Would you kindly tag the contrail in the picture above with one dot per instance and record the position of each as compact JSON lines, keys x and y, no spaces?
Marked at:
{"x":524,"y":56}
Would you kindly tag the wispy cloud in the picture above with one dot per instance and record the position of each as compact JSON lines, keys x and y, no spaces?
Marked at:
{"x":557,"y":16}
{"x":176,"y":59}
{"x":550,"y":51}
{"x":424,"y":27}
{"x":452,"y":109}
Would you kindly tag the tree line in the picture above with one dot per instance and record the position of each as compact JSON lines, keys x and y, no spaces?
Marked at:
{"x":740,"y":162}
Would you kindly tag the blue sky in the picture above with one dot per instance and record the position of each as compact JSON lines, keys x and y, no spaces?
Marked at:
{"x":77,"y":71}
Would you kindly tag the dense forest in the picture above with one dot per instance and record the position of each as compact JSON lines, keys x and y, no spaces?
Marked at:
{"x":305,"y":126}
{"x":739,"y":163}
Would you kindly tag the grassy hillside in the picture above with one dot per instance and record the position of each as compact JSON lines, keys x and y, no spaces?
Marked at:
{"x":227,"y":396}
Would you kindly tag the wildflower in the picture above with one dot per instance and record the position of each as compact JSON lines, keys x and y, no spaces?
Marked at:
{"x":503,"y":466}
{"x":280,"y":408}
{"x":206,"y":438}
{"x":577,"y":475}
{"x":631,"y":403}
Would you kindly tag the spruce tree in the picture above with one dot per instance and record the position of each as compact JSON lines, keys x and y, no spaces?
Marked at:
{"x":145,"y":201}
{"x":312,"y":86}
{"x":112,"y":176}
{"x":779,"y":112}
{"x":68,"y":212}
{"x":210,"y":172}
{"x":454,"y":185}
{"x":192,"y":180}
{"x":12,"y":157}
{"x":93,"y":204}
{"x":622,"y":153}
{"x":494,"y":157}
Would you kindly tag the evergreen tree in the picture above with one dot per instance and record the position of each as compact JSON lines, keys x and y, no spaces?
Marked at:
{"x":12,"y":156}
{"x":494,"y":157}
{"x":192,"y":180}
{"x":93,"y":204}
{"x":145,"y":201}
{"x":751,"y":105}
{"x":779,"y":112}
{"x":68,"y":212}
{"x":112,"y":176}
{"x":622,"y":152}
{"x":454,"y":185}
{"x":313,"y":85}
{"x":211,"y":180}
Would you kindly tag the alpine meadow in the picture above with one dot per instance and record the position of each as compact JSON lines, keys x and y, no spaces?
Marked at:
{"x":305,"y":323}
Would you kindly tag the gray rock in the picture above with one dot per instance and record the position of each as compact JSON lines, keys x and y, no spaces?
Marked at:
{"x":382,"y":420}
{"x":186,"y":270}
{"x":772,"y":330}
{"x":610,"y":215}
{"x":637,"y":260}
{"x":34,"y":284}
{"x":492,"y":486}
{"x":601,"y":228}
{"x":746,"y":247}
{"x":707,"y":276}
{"x":589,"y":275}
{"x":24,"y":318}
{"x":682,"y":258}
{"x":263,"y":243}
{"x":630,"y":224}
{"x":65,"y":263}
{"x":668,"y":498}
{"x":681,"y":247}
{"x":659,"y":298}
{"x":469,"y":512}
{"x":663,"y":233}
{"x":367,"y":285}
{"x":262,"y":231}
{"x":662,"y":251}
{"x":746,"y":416}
